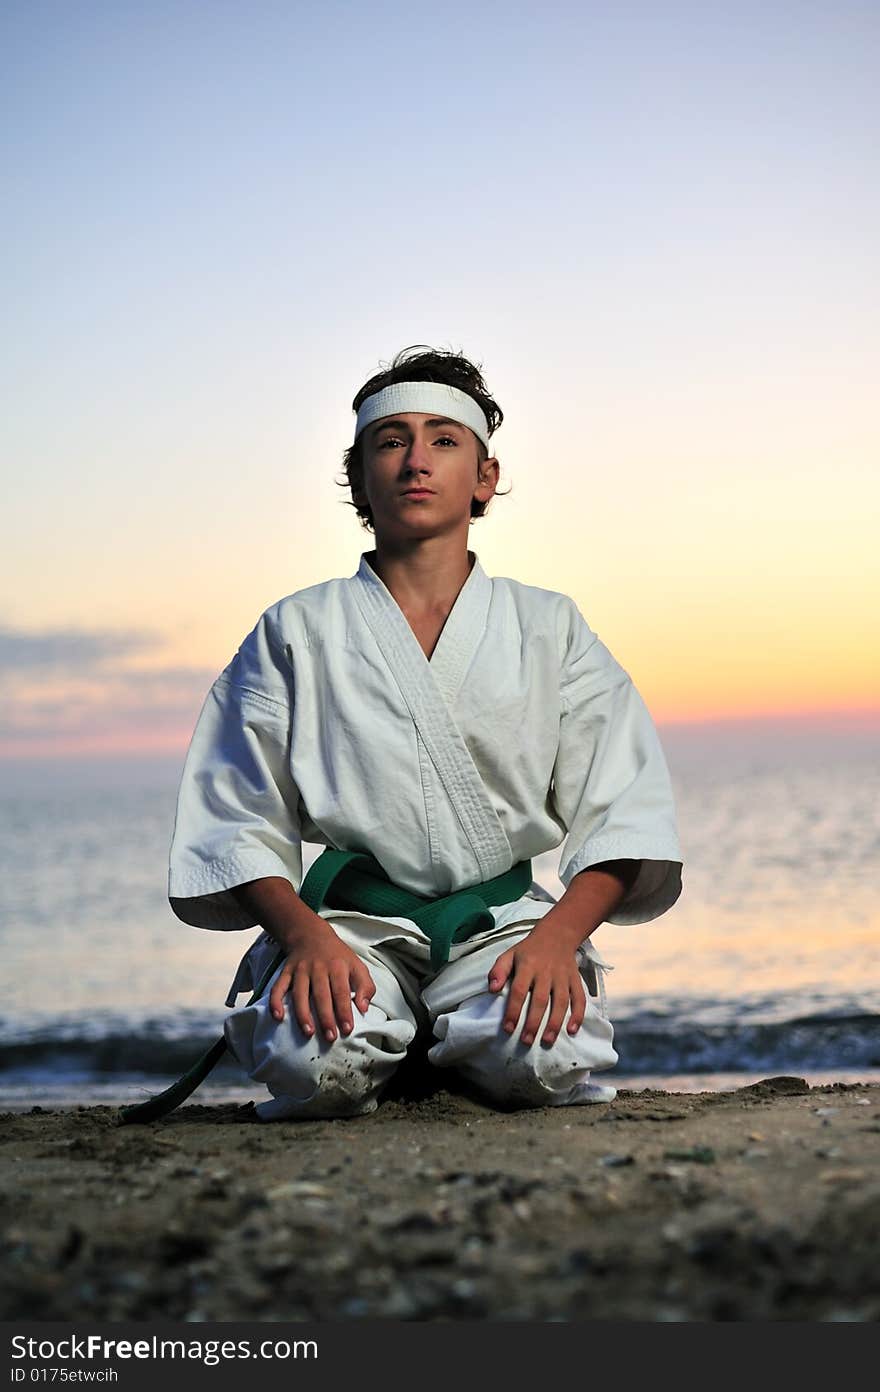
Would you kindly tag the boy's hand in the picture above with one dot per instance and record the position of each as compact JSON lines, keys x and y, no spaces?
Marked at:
{"x":322,"y":966}
{"x":547,"y":968}
{"x":544,"y":963}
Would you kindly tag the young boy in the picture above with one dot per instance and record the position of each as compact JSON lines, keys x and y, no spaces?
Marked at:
{"x":450,"y":727}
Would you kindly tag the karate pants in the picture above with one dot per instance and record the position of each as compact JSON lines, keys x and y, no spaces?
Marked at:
{"x":309,"y":1077}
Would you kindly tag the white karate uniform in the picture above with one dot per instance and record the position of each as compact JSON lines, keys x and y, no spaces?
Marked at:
{"x":330,"y":725}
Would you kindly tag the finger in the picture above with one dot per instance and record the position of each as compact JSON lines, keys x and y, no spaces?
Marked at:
{"x":278,"y":992}
{"x":364,"y":987}
{"x":535,"y":1013}
{"x":559,"y":995}
{"x":322,"y":998}
{"x":519,"y":988}
{"x":578,"y":1005}
{"x":500,"y":970}
{"x":340,"y":987}
{"x":301,"y":1008}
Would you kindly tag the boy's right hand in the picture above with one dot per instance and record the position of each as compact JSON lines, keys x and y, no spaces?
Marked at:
{"x":321,"y":966}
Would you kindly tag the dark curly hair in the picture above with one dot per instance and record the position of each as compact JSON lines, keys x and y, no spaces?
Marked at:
{"x":418,"y":363}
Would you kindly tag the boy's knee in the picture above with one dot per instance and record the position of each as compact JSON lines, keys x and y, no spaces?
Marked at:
{"x":310,"y":1077}
{"x":471,"y":1039}
{"x":335,"y":1081}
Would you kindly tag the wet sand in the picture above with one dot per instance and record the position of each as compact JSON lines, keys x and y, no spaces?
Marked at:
{"x":760,"y":1204}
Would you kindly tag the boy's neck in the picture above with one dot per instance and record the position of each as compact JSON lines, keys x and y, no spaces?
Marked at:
{"x":425,"y":578}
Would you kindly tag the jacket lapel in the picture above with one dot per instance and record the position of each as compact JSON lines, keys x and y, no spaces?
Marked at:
{"x":429,"y":689}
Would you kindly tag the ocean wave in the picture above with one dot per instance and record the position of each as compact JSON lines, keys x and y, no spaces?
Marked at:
{"x":647,"y":1042}
{"x":654,"y":1044}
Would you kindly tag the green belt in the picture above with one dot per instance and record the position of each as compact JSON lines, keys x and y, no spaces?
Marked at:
{"x":356,"y":881}
{"x":350,"y":880}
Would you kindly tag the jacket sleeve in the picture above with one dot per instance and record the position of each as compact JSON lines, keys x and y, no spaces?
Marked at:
{"x":611,"y":787}
{"x":237,"y":815}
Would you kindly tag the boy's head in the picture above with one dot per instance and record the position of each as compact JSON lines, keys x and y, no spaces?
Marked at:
{"x":421,"y":364}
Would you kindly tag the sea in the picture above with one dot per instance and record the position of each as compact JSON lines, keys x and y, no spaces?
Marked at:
{"x":768,"y":964}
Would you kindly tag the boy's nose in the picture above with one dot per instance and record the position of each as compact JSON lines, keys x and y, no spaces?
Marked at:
{"x":417,"y":458}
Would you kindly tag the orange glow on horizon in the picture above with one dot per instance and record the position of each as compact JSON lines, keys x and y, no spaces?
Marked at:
{"x":175,"y":742}
{"x":119,"y":742}
{"x":851,"y":717}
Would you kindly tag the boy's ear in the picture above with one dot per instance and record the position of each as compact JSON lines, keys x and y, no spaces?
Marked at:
{"x":489,"y":472}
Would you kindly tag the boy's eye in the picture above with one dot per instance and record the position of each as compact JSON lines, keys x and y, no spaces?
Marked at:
{"x":395,"y":440}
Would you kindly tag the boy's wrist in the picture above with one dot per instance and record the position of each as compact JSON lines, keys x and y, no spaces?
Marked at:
{"x":291,"y":936}
{"x":565,"y":931}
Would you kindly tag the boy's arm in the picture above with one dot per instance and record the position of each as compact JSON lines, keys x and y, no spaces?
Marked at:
{"x":591,"y":896}
{"x":611,"y":789}
{"x":237,"y":818}
{"x":275,"y":905}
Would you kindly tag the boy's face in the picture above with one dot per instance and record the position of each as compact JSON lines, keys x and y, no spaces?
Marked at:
{"x":416,"y":451}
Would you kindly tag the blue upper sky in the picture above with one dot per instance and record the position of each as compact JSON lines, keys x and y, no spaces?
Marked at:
{"x":655,"y":224}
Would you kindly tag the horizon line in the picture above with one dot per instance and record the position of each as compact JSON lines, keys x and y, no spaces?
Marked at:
{"x":833,"y":720}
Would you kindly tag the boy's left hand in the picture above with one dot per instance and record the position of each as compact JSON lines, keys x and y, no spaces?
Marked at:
{"x":546,"y":968}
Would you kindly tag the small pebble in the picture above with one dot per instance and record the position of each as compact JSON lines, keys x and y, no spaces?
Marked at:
{"x":843,"y":1177}
{"x":298,"y":1189}
{"x":356,"y":1308}
{"x":697,"y":1155}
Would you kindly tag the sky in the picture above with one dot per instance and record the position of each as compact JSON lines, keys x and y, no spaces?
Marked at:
{"x":654,"y":225}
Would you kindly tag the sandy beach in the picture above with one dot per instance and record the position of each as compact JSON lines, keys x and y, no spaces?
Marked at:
{"x":759,"y":1204}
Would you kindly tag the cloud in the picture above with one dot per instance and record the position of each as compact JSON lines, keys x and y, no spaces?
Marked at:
{"x":66,"y":687}
{"x":68,"y":649}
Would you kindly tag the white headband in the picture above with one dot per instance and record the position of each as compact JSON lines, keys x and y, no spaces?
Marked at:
{"x":424,"y":397}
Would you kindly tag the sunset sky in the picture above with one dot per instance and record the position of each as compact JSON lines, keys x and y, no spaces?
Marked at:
{"x":654,"y":224}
